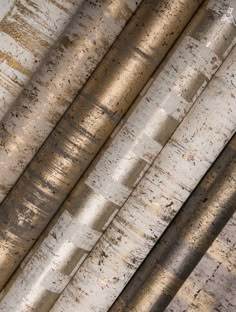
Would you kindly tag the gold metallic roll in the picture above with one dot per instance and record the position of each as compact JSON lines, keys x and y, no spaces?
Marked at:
{"x":185,"y":241}
{"x":27,"y":30}
{"x":56,"y":83}
{"x":162,"y":191}
{"x":87,"y":124}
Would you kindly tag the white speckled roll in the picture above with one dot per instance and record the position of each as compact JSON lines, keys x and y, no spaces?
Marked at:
{"x":160,"y":194}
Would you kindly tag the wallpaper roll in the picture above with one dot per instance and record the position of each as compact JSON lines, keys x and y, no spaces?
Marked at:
{"x":185,"y":241}
{"x":28,"y":29}
{"x":56,"y":83}
{"x":72,"y":145}
{"x":85,"y":127}
{"x":160,"y":194}
{"x":118,"y":168}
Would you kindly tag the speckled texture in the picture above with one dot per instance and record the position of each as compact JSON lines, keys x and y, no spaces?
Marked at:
{"x":212,"y":285}
{"x":166,"y":185}
{"x":184,"y":243}
{"x":28,"y":28}
{"x":56,"y":83}
{"x":131,"y":150}
{"x":85,"y":127}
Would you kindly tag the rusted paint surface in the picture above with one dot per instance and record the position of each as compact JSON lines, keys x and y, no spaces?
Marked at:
{"x":166,"y":185}
{"x":81,"y":133}
{"x":28,"y":28}
{"x":55,"y":85}
{"x":184,"y":243}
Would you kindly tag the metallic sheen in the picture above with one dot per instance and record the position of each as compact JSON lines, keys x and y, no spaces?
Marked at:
{"x":167,"y":184}
{"x":84,"y":128}
{"x":116,"y":171}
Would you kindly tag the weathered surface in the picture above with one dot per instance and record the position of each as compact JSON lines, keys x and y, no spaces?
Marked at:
{"x":83,"y":130}
{"x":166,"y":185}
{"x":56,"y":83}
{"x":185,"y":242}
{"x":212,"y":285}
{"x":28,"y":28}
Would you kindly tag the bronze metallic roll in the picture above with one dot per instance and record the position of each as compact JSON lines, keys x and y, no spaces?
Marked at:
{"x":54,"y":86}
{"x":185,"y":241}
{"x":28,"y":29}
{"x":87,"y":124}
{"x":157,"y":198}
